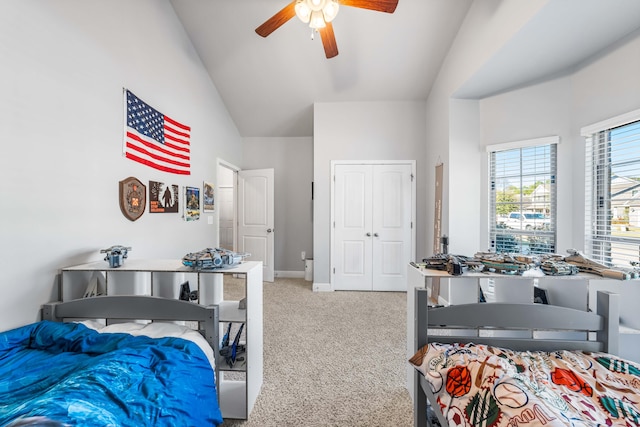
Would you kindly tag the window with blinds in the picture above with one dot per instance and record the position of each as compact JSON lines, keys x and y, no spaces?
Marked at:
{"x":522,"y":199}
{"x":612,"y":185}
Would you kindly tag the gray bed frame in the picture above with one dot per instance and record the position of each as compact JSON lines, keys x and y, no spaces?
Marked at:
{"x":514,"y":326}
{"x":141,"y":307}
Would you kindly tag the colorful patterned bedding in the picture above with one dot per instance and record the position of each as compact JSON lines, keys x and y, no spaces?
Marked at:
{"x":480,"y":385}
{"x":67,"y":374}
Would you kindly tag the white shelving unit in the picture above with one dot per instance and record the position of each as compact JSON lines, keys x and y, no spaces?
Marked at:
{"x":576,"y":291}
{"x":240,"y":385}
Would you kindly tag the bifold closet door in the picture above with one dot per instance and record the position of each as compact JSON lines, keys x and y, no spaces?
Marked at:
{"x":372,"y":236}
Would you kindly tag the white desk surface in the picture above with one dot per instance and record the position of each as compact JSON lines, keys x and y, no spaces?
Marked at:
{"x":161,"y":265}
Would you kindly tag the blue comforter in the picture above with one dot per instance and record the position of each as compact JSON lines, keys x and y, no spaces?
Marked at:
{"x":74,"y":375}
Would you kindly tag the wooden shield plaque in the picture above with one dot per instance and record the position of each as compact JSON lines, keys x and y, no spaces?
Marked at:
{"x":133,"y":198}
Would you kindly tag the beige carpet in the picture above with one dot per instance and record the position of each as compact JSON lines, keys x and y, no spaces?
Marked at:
{"x":330,"y":358}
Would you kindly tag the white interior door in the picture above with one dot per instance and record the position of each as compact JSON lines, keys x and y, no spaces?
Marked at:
{"x":353,"y":236}
{"x":226,"y":204}
{"x":373,"y":234}
{"x":391,"y":227}
{"x":256,"y":217}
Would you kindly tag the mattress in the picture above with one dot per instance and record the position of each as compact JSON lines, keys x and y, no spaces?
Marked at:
{"x":54,"y":373}
{"x":480,"y":385}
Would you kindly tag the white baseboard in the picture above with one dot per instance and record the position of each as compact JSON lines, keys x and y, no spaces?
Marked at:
{"x":289,"y":274}
{"x":317,"y":287}
{"x":322,"y":287}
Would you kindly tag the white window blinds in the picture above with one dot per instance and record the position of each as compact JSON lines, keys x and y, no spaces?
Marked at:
{"x":612,"y":190}
{"x":522,"y":197}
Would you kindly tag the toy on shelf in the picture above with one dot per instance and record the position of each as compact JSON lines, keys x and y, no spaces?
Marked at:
{"x":213,"y":258}
{"x":115,"y":255}
{"x":232,"y":351}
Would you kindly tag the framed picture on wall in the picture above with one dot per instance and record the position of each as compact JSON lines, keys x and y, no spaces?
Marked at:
{"x":191,"y":203}
{"x":163,"y":198}
{"x":208,"y":200}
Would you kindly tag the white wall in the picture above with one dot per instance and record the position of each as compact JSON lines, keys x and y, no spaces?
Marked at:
{"x":464,"y":125}
{"x":605,"y":87}
{"x":363,"y":131}
{"x":63,"y":68}
{"x":488,"y":26}
{"x":292,"y":161}
{"x":535,"y":112}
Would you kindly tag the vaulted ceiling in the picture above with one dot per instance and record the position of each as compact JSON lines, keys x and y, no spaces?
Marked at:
{"x":269,"y":84}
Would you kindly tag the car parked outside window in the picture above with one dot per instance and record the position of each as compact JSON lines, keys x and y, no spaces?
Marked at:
{"x":527,"y":221}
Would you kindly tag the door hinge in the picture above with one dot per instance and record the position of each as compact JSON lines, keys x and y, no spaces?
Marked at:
{"x":334,"y":224}
{"x":411,"y":177}
{"x":334,"y":270}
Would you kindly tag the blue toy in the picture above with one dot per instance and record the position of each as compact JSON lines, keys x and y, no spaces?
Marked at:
{"x":115,"y":255}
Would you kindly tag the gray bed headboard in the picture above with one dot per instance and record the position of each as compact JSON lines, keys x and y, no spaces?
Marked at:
{"x":137,"y":307}
{"x":521,"y":326}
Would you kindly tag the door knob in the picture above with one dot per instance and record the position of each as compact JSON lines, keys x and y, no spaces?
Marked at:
{"x":375,"y":234}
{"x":368,"y":234}
{"x":269,"y":230}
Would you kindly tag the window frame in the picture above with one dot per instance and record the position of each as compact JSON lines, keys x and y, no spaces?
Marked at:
{"x":519,"y":240}
{"x":600,"y":148}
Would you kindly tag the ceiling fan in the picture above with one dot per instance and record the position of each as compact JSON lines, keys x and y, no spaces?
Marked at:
{"x":319,"y":14}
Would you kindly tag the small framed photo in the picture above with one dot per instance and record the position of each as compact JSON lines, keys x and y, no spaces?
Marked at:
{"x":208,"y":199}
{"x":191,"y":204}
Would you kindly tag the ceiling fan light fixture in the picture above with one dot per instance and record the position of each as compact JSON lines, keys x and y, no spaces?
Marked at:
{"x":316,"y":13}
{"x":319,"y":14}
{"x":317,"y":20}
{"x":303,"y":11}
{"x":330,"y":10}
{"x":316,"y":4}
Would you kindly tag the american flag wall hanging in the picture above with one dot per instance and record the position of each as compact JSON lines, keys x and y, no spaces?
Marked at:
{"x":155,"y":140}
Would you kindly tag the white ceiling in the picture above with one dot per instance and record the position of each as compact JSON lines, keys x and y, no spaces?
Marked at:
{"x":269,"y":84}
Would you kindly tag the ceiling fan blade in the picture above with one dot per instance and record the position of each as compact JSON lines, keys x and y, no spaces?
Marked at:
{"x":388,"y":6}
{"x":277,"y":20}
{"x":329,"y":40}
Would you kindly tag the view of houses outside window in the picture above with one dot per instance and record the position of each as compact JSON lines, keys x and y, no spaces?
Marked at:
{"x":522,"y":199}
{"x":613,"y":195}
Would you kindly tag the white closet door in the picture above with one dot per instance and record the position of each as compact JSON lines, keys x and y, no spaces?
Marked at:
{"x":372,"y":231}
{"x":391,"y":226}
{"x":353,"y":237}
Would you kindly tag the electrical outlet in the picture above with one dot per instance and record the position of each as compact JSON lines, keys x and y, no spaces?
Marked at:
{"x":303,"y":255}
